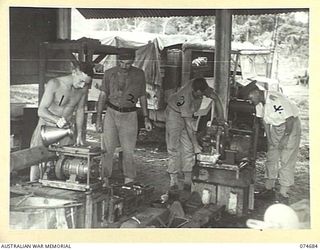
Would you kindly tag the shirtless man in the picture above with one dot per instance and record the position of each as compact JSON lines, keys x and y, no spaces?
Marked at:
{"x":63,"y":96}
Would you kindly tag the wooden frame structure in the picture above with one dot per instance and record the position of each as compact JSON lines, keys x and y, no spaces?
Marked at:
{"x":83,"y":50}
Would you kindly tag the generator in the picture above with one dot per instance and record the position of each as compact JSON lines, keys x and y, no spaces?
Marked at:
{"x":76,"y":168}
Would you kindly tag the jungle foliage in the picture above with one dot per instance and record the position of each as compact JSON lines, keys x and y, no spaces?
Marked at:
{"x":281,"y":31}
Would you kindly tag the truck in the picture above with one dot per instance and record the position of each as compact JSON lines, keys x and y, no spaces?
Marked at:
{"x":171,"y":61}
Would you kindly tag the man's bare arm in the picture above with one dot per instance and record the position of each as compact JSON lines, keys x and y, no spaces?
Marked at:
{"x":287,"y":131}
{"x":289,"y":125}
{"x":80,"y":115}
{"x":192,"y":134}
{"x":100,"y":106}
{"x":267,"y":130}
{"x":218,"y":104}
{"x":46,"y":101}
{"x":145,"y":112}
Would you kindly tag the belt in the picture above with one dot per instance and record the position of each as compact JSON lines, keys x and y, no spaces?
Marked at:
{"x":122,"y":110}
{"x":169,"y":107}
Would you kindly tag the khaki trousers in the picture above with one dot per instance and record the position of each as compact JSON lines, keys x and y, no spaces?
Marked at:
{"x":287,"y":157}
{"x":179,"y":145}
{"x":119,"y":129}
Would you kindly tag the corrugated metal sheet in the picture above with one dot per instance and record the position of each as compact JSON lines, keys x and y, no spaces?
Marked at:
{"x":97,"y":13}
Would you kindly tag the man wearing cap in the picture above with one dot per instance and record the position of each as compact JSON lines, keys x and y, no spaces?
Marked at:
{"x":182,"y":144}
{"x":62,"y":96}
{"x":283,"y":129}
{"x":122,"y":86}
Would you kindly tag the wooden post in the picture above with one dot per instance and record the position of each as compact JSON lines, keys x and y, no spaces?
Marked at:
{"x":186,"y":66}
{"x":42,"y":70}
{"x":64,"y":23}
{"x":25,"y":158}
{"x":88,"y":210}
{"x":222,"y":56}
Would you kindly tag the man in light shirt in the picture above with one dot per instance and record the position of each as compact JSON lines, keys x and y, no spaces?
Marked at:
{"x":282,"y":125}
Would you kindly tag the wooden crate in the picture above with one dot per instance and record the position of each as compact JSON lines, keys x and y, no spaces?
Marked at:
{"x":198,"y":187}
{"x":227,"y":187}
{"x":236,"y":199}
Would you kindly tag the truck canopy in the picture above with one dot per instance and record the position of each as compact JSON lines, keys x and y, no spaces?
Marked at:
{"x":245,"y":48}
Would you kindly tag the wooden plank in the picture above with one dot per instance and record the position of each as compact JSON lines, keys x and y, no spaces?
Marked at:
{"x":42,"y":68}
{"x":38,"y":190}
{"x":100,"y":58}
{"x":186,"y":66}
{"x":23,"y":79}
{"x":25,"y":158}
{"x":223,"y":176}
{"x":88,"y":211}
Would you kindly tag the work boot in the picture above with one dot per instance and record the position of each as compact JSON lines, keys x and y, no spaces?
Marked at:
{"x":270,"y":183}
{"x":284,"y":191}
{"x":187,"y":187}
{"x":265,"y":194}
{"x":187,"y":181}
{"x":105,"y":182}
{"x":173,"y":180}
{"x":187,"y":177}
{"x":282,"y":199}
{"x":128,"y":180}
{"x":174,"y":188}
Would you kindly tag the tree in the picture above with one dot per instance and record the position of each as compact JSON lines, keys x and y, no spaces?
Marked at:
{"x":292,"y":35}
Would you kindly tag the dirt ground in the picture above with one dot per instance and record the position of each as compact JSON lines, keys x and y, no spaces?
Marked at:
{"x":151,"y":156}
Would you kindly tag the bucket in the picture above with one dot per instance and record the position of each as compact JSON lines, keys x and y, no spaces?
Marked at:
{"x":42,"y":213}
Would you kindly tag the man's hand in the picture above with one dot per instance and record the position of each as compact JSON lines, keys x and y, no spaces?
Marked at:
{"x":284,"y":141}
{"x":147,"y":124}
{"x":79,"y":141}
{"x":197,"y":148}
{"x":61,"y":122}
{"x":270,"y":142}
{"x":99,"y":126}
{"x":221,"y":121}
